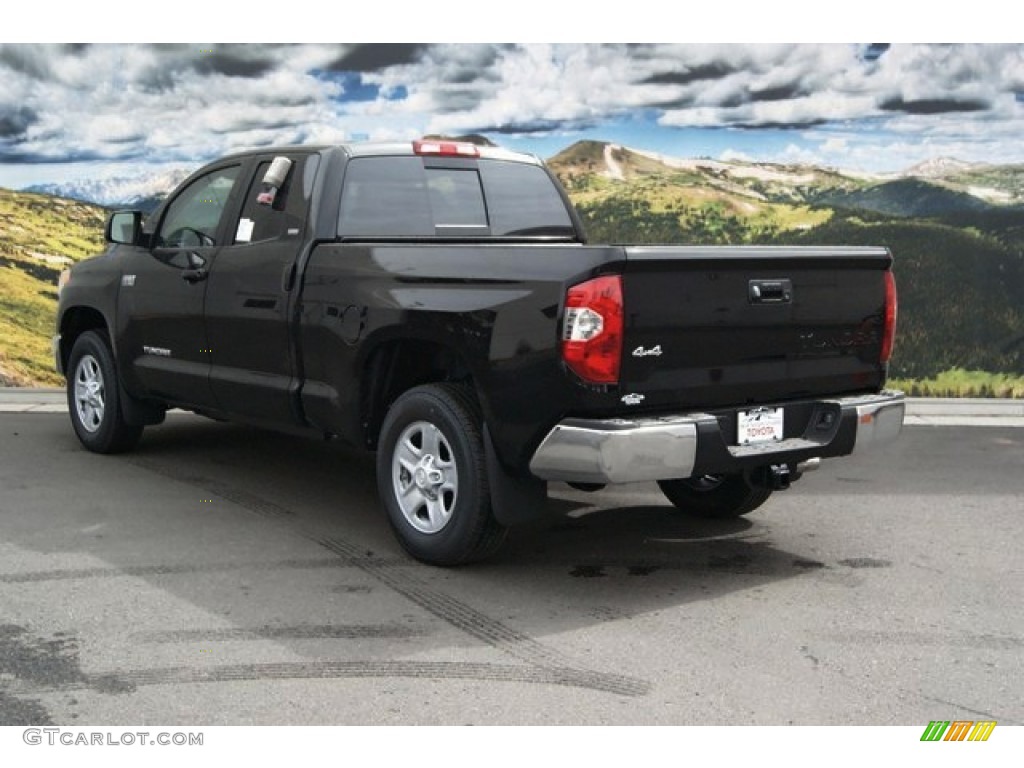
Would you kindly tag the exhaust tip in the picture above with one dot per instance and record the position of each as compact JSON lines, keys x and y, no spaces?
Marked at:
{"x":808,"y":466}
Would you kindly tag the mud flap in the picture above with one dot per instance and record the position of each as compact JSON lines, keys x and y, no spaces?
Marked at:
{"x":514,"y":500}
{"x":139,"y":413}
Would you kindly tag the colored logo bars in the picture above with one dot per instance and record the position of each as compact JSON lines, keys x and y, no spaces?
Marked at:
{"x":958,"y":730}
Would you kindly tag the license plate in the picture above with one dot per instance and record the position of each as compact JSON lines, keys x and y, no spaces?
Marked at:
{"x":762,"y":425}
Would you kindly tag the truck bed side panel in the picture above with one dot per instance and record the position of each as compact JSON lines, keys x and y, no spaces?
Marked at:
{"x":503,"y":327}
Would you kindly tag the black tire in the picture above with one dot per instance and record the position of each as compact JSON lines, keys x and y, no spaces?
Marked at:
{"x":432,"y":476}
{"x":715,"y":496}
{"x":94,"y":397}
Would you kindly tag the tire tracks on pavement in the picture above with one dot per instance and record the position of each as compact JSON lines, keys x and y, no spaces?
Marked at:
{"x":544,"y":664}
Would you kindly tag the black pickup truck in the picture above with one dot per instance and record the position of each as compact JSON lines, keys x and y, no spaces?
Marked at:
{"x":438,"y":303}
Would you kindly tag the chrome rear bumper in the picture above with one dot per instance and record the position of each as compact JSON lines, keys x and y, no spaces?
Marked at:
{"x":667,"y":447}
{"x":879,"y":418}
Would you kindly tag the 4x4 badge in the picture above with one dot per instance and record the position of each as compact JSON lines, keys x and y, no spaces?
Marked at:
{"x":654,"y":351}
{"x":632,"y":398}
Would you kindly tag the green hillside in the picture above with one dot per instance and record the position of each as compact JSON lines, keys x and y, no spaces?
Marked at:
{"x":39,"y":236}
{"x":702,"y":202}
{"x":905,"y":197}
{"x":1005,"y":179}
{"x":961,"y":291}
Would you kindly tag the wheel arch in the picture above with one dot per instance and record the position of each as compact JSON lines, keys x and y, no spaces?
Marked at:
{"x":73,"y":323}
{"x":78,"y":320}
{"x":397,"y":365}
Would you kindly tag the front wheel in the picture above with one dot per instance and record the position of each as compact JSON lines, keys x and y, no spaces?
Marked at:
{"x":94,"y":397}
{"x":715,"y":496}
{"x":432,"y":476}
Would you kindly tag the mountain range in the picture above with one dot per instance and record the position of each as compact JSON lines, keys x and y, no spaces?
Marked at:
{"x":945,"y":183}
{"x":994,"y":185}
{"x":956,"y":230}
{"x":143,"y":190}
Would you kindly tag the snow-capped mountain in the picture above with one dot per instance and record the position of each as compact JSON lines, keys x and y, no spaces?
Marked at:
{"x":940,"y":167}
{"x":119,"y":190}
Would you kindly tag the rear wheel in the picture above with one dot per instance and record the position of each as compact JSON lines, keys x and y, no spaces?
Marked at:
{"x":94,"y":397}
{"x":432,"y":476}
{"x":715,"y":496}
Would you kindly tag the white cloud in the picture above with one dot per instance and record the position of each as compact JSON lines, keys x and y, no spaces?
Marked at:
{"x":185,"y":103}
{"x":797,"y":155}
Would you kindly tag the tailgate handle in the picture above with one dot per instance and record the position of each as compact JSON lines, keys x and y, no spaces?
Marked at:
{"x":770,"y":291}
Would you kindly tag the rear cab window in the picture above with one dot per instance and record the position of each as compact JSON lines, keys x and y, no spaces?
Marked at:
{"x":424,"y":197}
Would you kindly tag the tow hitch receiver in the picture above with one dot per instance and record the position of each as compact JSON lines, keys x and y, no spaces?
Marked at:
{"x":775,"y":477}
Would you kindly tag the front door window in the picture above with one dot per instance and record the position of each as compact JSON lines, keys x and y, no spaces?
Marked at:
{"x":193,"y":218}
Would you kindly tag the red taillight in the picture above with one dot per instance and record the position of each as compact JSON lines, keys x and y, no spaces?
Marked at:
{"x":889,"y":329}
{"x":592,"y":329}
{"x":445,"y":148}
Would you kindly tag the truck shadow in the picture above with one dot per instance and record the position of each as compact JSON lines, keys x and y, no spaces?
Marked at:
{"x":327,"y":493}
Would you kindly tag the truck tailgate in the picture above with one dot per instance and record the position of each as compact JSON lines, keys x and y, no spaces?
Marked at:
{"x":727,"y":326}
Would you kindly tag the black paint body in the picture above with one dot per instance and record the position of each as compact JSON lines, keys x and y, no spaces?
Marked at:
{"x":311,"y":330}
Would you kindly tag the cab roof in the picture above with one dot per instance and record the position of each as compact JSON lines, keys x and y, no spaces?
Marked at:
{"x":391,"y":148}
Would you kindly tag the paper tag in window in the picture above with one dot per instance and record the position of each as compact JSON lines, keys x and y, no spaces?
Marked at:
{"x":244,"y":233}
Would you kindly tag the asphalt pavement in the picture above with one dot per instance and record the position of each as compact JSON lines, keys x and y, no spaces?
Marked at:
{"x":225,"y":575}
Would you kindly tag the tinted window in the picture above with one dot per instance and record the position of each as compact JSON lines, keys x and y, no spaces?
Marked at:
{"x":287,"y":215}
{"x":456,"y":199}
{"x":194,"y":215}
{"x":399,"y":197}
{"x":385,"y":197}
{"x":522,"y":200}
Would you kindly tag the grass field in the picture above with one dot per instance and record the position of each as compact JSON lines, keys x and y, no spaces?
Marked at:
{"x":960,"y":383}
{"x":39,"y":236}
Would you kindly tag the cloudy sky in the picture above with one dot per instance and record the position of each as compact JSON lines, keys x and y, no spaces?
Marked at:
{"x":77,"y":111}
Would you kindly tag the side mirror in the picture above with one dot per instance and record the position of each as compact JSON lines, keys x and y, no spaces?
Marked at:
{"x":124,"y":227}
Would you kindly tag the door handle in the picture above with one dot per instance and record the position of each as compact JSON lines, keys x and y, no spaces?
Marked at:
{"x":194,"y":275}
{"x":196,"y":271}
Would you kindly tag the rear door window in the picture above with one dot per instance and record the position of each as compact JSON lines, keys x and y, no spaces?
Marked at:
{"x":286,"y":216}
